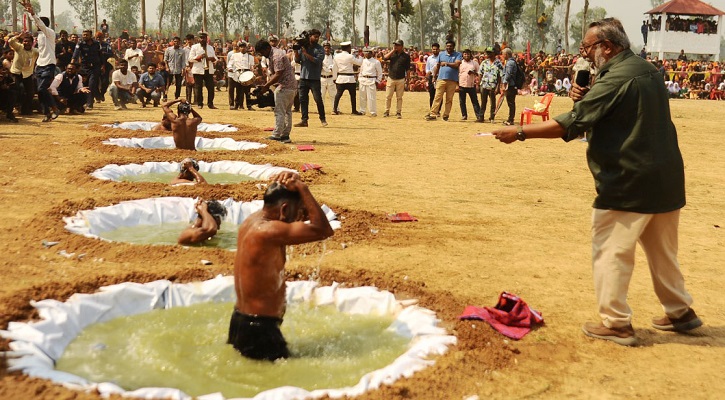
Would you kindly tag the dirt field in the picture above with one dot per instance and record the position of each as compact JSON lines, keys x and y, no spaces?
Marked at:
{"x":492,"y":217}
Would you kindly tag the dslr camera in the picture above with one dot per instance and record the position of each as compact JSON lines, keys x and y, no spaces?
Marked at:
{"x":301,"y":40}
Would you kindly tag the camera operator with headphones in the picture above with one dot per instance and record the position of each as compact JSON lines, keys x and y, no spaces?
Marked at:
{"x":310,"y":55}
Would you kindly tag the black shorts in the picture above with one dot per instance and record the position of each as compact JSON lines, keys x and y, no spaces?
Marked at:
{"x":257,"y":336}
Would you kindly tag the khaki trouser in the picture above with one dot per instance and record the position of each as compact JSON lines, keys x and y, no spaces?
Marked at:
{"x":614,"y":238}
{"x":397,"y":87}
{"x":447,"y":87}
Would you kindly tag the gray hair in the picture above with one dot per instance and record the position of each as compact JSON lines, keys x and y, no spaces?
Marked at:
{"x":611,"y":29}
{"x":508,"y":52}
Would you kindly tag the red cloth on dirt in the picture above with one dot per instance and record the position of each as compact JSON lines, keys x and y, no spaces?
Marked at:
{"x":511,"y":316}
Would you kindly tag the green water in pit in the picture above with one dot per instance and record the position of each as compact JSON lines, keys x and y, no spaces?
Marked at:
{"x":222,"y":178}
{"x":168,"y":233}
{"x":185,"y":348}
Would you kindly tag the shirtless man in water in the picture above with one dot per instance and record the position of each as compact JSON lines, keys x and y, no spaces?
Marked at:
{"x":188,"y":173}
{"x":259,"y":265}
{"x":208,"y":221}
{"x":183,"y":127}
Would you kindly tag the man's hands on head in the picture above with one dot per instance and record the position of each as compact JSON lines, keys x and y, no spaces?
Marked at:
{"x":289,"y":179}
{"x":201,"y":206}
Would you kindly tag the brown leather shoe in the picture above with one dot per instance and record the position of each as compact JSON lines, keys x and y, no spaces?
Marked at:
{"x":685,"y":323}
{"x":301,"y":124}
{"x":623,"y":336}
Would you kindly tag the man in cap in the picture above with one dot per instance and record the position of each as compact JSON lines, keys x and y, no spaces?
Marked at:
{"x":182,"y":127}
{"x":202,"y":59}
{"x":397,"y":75}
{"x":239,"y":62}
{"x":491,"y":71}
{"x":283,"y":75}
{"x":329,"y":73}
{"x":208,"y":221}
{"x":345,"y":62}
{"x":310,"y":58}
{"x":446,"y":73}
{"x":371,"y":73}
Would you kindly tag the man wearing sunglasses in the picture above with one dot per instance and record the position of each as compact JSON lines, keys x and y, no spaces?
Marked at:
{"x":639,"y":178}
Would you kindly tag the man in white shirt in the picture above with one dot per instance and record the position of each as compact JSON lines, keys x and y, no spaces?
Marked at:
{"x":124,"y":86}
{"x":430,"y":65}
{"x":371,"y":73}
{"x":329,"y":72}
{"x":202,"y":59}
{"x":45,"y":64}
{"x":133,"y":55}
{"x":239,"y":62}
{"x":346,"y":76}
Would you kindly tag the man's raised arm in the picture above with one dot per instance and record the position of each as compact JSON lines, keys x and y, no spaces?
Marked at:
{"x":167,"y":111}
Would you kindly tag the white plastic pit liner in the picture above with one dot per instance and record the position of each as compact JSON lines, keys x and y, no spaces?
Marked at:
{"x":36,"y":345}
{"x":159,"y":210}
{"x":149,"y":126}
{"x":115,"y":172}
{"x":167,"y":142}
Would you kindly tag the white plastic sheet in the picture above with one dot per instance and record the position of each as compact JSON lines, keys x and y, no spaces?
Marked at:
{"x":115,"y":172}
{"x":159,"y":210}
{"x":149,"y":126}
{"x":167,"y":142}
{"x":36,"y":345}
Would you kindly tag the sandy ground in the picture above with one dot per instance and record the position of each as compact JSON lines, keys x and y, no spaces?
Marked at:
{"x":492,"y":217}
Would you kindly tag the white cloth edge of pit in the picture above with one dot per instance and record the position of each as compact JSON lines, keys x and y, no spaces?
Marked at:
{"x":36,"y":345}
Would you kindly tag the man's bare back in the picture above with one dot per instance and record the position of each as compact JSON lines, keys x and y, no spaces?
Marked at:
{"x":261,"y":244}
{"x":182,"y":127}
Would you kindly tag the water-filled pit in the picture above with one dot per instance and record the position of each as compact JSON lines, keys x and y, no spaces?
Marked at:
{"x":140,"y":340}
{"x":149,"y":126}
{"x":219,"y":172}
{"x":201,"y":144}
{"x":160,"y":220}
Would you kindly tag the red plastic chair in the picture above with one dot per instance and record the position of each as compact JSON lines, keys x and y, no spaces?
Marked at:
{"x":528,"y":112}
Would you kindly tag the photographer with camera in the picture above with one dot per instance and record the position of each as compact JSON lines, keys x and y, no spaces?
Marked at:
{"x":310,"y":55}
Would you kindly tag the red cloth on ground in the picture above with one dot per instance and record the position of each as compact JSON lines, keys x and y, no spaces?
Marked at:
{"x":401,"y":217}
{"x":310,"y":166}
{"x":511,"y":316}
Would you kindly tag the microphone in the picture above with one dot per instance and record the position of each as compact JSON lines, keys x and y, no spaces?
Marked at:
{"x":581,"y":69}
{"x":582,"y":77}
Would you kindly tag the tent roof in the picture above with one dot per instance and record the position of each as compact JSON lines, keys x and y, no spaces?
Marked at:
{"x":686,"y":7}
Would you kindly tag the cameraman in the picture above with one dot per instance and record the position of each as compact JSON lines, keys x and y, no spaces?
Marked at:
{"x":310,"y":55}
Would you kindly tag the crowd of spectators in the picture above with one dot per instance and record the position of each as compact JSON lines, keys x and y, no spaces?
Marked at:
{"x":152,"y":78}
{"x":706,"y":25}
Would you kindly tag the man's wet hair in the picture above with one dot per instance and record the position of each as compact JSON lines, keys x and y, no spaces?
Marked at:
{"x":193,"y":163}
{"x":277,"y":194}
{"x":217,"y":210}
{"x":184,"y":108}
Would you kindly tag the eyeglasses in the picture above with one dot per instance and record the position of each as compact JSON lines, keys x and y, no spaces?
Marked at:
{"x":584,"y":49}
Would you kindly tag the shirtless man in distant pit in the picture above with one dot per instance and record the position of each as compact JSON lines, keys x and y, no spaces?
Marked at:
{"x":188,"y":173}
{"x":183,"y":127}
{"x":259,"y":265}
{"x":208,"y":221}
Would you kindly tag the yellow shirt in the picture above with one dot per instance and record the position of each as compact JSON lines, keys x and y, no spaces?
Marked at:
{"x":24,"y":60}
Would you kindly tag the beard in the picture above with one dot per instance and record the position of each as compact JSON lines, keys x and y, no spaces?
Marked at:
{"x":599,"y":58}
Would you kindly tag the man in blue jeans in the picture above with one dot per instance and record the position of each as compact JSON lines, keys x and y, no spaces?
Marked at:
{"x":508,"y":87}
{"x":45,"y":65}
{"x":311,"y":58}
